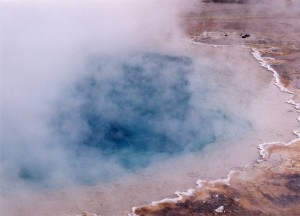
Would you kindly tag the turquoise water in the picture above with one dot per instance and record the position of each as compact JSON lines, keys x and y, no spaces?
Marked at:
{"x":140,"y":108}
{"x":124,"y":113}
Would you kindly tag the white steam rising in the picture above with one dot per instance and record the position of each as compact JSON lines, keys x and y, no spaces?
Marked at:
{"x":78,"y":81}
{"x":44,"y":48}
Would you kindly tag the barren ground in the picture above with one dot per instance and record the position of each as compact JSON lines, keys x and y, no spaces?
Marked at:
{"x":270,"y":186}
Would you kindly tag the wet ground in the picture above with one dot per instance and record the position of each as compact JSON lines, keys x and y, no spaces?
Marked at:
{"x":275,"y":32}
{"x":270,"y":186}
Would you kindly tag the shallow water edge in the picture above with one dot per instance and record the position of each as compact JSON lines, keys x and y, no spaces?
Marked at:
{"x":227,"y":196}
{"x":151,"y":184}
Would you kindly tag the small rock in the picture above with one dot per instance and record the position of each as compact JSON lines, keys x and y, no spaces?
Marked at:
{"x":220,"y":209}
{"x":245,"y":35}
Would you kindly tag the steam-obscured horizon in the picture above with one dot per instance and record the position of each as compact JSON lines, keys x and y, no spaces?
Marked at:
{"x":92,"y":90}
{"x":45,"y":46}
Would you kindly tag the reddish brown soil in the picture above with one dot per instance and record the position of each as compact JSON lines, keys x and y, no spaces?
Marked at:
{"x":276,"y":34}
{"x":271,"y":186}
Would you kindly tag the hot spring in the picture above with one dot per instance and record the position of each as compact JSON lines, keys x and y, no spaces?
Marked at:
{"x":131,"y":109}
{"x":146,"y":106}
{"x":129,"y":112}
{"x":107,"y":105}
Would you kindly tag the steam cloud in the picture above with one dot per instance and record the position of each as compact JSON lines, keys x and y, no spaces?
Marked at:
{"x":84,"y":98}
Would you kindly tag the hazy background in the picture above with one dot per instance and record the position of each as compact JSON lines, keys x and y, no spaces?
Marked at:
{"x":94,"y":91}
{"x":45,"y":47}
{"x":86,"y":93}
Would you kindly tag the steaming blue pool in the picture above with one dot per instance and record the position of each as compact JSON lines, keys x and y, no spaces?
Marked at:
{"x":142,"y":107}
{"x":127,"y":111}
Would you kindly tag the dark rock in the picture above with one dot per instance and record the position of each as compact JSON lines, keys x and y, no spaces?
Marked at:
{"x":245,"y":35}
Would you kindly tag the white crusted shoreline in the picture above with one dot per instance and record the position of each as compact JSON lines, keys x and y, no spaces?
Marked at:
{"x":212,"y":164}
{"x":263,"y":147}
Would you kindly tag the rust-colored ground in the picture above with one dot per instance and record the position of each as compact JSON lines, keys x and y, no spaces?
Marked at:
{"x":275,"y":30}
{"x":269,"y":187}
{"x":272,"y":185}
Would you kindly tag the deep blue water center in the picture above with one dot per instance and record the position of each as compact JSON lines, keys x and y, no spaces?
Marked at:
{"x":141,"y":99}
{"x":139,"y":108}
